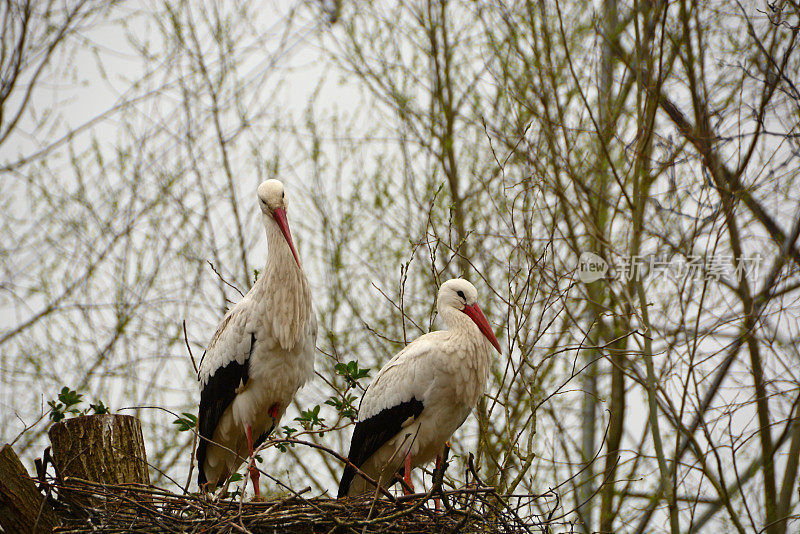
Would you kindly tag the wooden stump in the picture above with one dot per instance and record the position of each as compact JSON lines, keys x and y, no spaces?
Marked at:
{"x":108,"y":449}
{"x":22,"y":508}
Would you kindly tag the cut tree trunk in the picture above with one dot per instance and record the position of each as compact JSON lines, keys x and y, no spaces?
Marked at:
{"x":22,"y":508}
{"x":108,"y":449}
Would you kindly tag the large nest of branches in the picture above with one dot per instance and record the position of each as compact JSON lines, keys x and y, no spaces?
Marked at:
{"x":84,"y":506}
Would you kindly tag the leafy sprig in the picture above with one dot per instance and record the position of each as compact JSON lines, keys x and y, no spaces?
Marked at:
{"x":66,"y":403}
{"x":187,"y":421}
{"x":310,"y":418}
{"x":287,"y":432}
{"x":345,"y":406}
{"x":351,"y":372}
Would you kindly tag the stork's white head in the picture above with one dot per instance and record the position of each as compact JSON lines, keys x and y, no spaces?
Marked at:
{"x":457,"y":293}
{"x":462,"y":296}
{"x":271,"y":196}
{"x":272,"y":201}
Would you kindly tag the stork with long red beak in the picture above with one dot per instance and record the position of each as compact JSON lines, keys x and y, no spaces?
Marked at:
{"x":260,"y":355}
{"x":423,"y":394}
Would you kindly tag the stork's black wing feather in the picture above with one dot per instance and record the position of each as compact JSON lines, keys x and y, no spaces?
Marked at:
{"x":369,"y":435}
{"x":215,"y":397}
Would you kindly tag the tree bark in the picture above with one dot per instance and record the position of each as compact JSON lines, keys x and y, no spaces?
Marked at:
{"x":108,"y":449}
{"x":22,"y":508}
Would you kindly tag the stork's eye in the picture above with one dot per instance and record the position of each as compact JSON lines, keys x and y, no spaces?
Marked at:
{"x":461,"y":294}
{"x":283,"y":194}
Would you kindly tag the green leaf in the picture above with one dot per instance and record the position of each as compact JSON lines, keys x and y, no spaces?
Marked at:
{"x":310,"y":418}
{"x":345,"y":406}
{"x":351,"y":372}
{"x":69,"y":397}
{"x":187,"y":422}
{"x":287,"y":431}
{"x":236,"y":477}
{"x":99,"y":408}
{"x":56,"y":410}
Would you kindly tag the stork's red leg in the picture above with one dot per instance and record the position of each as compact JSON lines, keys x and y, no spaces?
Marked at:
{"x":254,"y":474}
{"x":409,"y":488}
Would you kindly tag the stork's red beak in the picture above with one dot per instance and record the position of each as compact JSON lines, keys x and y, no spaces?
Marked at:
{"x":279,"y":214}
{"x":474,"y":312}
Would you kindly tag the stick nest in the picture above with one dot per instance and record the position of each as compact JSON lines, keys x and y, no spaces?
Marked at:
{"x":84,"y":507}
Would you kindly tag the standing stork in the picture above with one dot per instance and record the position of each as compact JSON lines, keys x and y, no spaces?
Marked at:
{"x":423,"y":394}
{"x":260,"y":355}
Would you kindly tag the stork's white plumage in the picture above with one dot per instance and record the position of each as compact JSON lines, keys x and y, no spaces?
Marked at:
{"x":260,"y":355}
{"x":423,"y":394}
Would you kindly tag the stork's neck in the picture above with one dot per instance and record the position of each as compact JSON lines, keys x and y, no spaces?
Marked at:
{"x":280,"y":255}
{"x":462,"y":328}
{"x":468,"y":348}
{"x":286,"y":293}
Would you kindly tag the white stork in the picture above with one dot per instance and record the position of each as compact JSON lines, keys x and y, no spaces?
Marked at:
{"x":423,"y":394}
{"x":260,"y":355}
